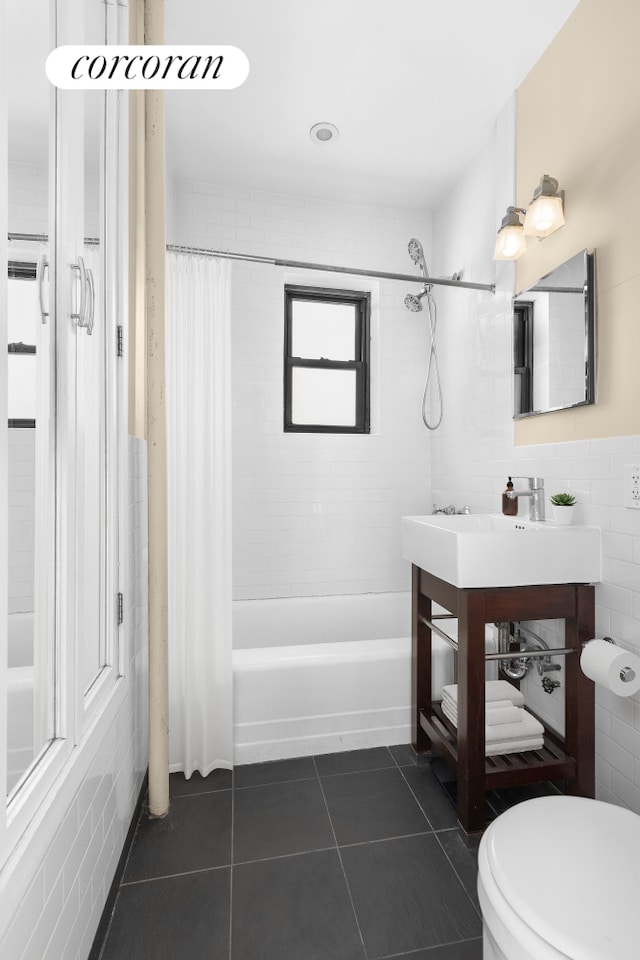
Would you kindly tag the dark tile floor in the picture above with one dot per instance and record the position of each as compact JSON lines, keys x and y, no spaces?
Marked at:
{"x":349,"y":856}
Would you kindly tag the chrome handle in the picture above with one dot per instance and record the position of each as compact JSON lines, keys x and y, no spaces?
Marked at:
{"x":43,"y":266}
{"x":91,"y":302}
{"x":80,"y":316}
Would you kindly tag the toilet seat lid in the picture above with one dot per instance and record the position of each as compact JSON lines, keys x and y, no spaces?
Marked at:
{"x":568,"y":867}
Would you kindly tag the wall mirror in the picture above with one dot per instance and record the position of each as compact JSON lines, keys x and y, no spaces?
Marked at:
{"x":554,"y":340}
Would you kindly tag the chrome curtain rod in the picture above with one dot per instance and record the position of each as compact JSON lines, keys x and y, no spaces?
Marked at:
{"x":294,"y":264}
{"x":330,"y":268}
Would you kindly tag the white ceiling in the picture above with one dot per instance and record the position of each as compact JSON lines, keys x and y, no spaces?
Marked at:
{"x":412,"y":85}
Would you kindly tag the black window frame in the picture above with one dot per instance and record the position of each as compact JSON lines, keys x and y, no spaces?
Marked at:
{"x":361,"y":363}
{"x":523,"y":356}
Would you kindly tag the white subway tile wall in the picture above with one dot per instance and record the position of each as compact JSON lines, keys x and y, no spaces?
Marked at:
{"x":57,"y":915}
{"x":28,"y":195}
{"x":317,"y":514}
{"x":473,"y":453}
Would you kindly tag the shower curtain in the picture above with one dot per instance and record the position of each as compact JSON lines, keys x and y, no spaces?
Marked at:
{"x":198,"y":343}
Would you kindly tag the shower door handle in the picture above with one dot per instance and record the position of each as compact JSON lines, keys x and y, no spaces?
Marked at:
{"x":43,"y":266}
{"x":85,"y":315}
{"x":91,"y":302}
{"x":80,"y":315}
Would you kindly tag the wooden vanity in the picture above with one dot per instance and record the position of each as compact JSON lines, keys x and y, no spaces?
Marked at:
{"x":570,"y":758}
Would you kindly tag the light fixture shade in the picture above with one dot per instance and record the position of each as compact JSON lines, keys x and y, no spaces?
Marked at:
{"x":510,"y":242}
{"x":544,"y":216}
{"x":545,"y":213}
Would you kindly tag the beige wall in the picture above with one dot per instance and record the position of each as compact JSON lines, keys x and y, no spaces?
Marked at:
{"x":578,"y":119}
{"x":136,"y":341}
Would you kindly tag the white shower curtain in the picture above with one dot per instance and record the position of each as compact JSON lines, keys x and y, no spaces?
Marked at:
{"x":199,"y":491}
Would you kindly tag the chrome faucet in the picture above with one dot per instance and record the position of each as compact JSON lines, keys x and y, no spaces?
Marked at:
{"x":536,"y":494}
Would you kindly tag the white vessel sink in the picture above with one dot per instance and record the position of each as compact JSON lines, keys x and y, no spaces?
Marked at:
{"x":490,"y":550}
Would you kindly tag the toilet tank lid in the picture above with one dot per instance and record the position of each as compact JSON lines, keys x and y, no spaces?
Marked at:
{"x":568,"y":867}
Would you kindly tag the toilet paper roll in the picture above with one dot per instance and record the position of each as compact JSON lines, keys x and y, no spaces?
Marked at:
{"x":609,"y":665}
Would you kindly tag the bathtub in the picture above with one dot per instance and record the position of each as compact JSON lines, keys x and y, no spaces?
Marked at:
{"x":19,"y":696}
{"x":324,"y":674}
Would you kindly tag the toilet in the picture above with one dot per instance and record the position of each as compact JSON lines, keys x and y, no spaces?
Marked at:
{"x":558,"y":880}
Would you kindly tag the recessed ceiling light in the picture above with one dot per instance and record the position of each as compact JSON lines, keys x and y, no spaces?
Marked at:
{"x":323,"y":132}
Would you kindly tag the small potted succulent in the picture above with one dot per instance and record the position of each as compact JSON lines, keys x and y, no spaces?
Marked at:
{"x":563,"y":506}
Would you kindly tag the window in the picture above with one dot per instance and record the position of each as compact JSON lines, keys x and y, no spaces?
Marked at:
{"x":523,"y":357}
{"x":326,"y":360}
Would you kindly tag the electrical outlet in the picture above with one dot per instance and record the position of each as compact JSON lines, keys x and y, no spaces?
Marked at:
{"x":632,"y":487}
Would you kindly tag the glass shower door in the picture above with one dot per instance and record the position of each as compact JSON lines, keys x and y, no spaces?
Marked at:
{"x":30,"y":349}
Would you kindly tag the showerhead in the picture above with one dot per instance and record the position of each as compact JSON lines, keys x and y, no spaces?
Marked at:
{"x":417,"y":255}
{"x":413,"y":303}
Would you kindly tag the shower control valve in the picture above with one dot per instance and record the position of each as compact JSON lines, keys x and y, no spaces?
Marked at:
{"x":549,"y":685}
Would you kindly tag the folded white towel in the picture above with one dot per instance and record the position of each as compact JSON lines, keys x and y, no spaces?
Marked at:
{"x":498,"y":704}
{"x":494,"y":690}
{"x":516,"y":746}
{"x":492,"y":718}
{"x":506,"y":715}
{"x":527,"y":726}
{"x":490,"y":705}
{"x":496,"y":747}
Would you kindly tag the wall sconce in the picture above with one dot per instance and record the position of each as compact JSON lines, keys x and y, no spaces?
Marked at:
{"x":544,"y":215}
{"x":510,"y":242}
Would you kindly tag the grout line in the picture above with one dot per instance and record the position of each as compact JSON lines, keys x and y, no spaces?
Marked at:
{"x":198,"y":793}
{"x":436,"y":946}
{"x":282,"y":856}
{"x":272,"y":783}
{"x":108,"y":930}
{"x":170,"y":876}
{"x":466,"y":893}
{"x":411,"y":763}
{"x":233,"y":811}
{"x":420,"y":807}
{"x":121,"y":884}
{"x":400,"y":836}
{"x":353,"y":773}
{"x":344,"y":873}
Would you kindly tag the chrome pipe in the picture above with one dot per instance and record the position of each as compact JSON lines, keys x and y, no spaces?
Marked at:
{"x":526,"y":654}
{"x":502,"y":655}
{"x":440,"y":633}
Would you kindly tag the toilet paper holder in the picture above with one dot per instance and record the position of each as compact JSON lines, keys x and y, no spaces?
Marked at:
{"x":627,"y":674}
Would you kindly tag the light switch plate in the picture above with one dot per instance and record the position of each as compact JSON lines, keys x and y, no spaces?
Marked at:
{"x":632,"y":486}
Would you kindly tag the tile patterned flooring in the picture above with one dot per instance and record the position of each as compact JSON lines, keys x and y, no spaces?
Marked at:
{"x":348,"y":856}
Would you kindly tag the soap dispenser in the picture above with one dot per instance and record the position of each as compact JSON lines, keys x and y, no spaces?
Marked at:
{"x":509,"y":503}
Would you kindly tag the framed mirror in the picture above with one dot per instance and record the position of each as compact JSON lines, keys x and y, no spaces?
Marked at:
{"x":554,"y":340}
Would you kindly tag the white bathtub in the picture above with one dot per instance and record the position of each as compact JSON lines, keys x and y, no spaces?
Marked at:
{"x":324,"y":674}
{"x":19,"y":696}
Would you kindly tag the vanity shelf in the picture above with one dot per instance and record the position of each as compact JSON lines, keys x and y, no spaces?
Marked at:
{"x":570,"y":758}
